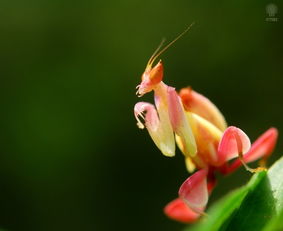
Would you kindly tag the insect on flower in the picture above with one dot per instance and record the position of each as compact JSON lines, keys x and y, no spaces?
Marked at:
{"x":200,"y":131}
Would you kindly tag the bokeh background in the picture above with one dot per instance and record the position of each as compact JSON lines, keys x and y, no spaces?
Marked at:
{"x":71,"y":156}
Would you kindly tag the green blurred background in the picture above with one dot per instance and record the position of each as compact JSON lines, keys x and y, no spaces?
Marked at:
{"x":71,"y":155}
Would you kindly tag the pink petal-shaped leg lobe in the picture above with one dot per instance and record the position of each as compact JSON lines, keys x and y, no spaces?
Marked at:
{"x":148,"y":113}
{"x":233,"y":142}
{"x":180,"y":123}
{"x":194,"y":191}
{"x":262,"y":147}
{"x":158,"y":126}
{"x":178,"y":210}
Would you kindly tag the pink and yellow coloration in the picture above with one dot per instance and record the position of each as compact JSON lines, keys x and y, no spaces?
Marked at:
{"x":199,"y":129}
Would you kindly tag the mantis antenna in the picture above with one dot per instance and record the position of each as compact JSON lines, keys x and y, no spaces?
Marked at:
{"x":158,"y":52}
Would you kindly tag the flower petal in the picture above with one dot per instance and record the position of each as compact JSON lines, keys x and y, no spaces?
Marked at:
{"x":233,"y":142}
{"x":194,"y":191}
{"x":158,"y":126}
{"x":180,"y":123}
{"x":179,"y":211}
{"x":202,"y":106}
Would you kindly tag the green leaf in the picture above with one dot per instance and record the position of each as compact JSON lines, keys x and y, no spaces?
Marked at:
{"x":254,"y":207}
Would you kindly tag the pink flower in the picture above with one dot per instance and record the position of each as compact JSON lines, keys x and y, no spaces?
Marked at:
{"x":200,"y":131}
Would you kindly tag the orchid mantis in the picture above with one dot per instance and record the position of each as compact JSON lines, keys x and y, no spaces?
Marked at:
{"x":200,"y":131}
